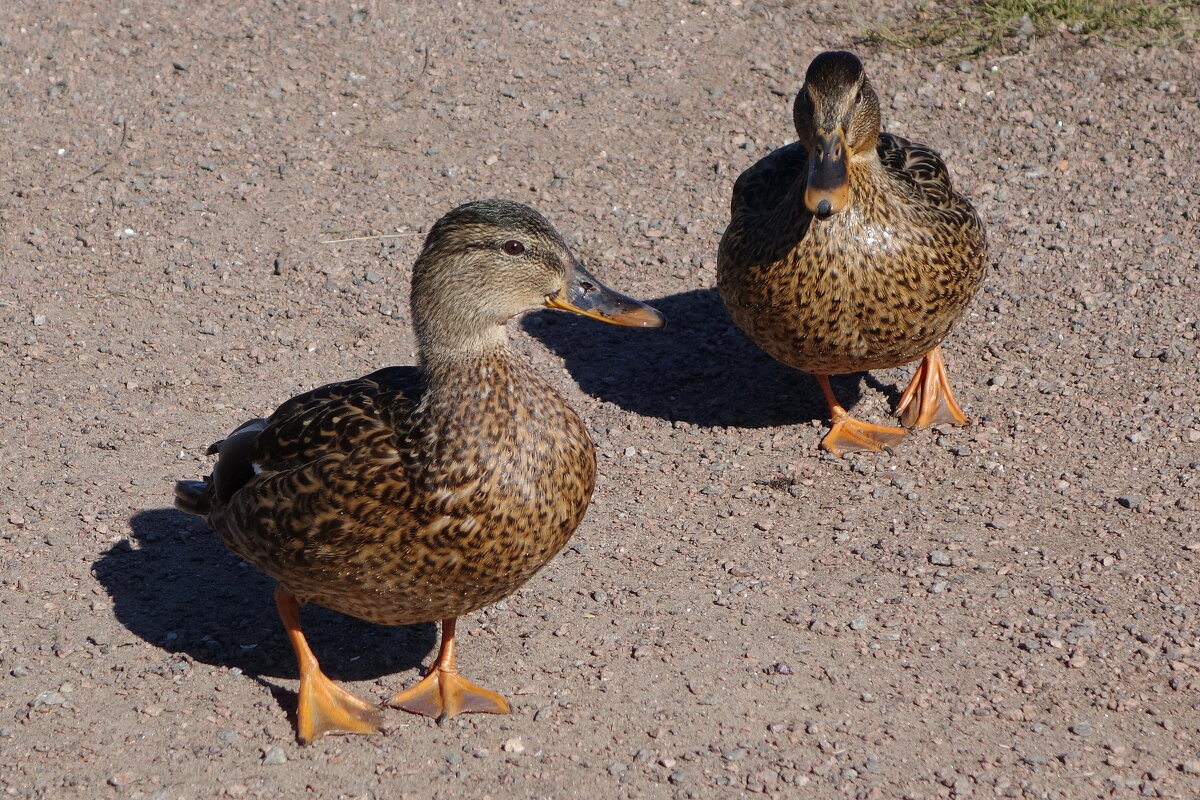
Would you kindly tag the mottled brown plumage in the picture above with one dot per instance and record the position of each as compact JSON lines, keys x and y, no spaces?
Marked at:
{"x":422,"y":493}
{"x":849,"y":249}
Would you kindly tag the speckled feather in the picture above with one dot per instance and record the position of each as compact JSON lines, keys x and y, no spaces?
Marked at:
{"x":422,"y":493}
{"x":875,"y":286}
{"x":397,"y":503}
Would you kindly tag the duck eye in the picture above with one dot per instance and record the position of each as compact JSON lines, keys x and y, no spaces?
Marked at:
{"x":513,"y":247}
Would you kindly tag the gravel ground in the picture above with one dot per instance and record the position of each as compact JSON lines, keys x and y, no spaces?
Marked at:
{"x":1008,"y":609}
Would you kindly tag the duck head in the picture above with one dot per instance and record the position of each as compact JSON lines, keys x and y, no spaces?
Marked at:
{"x":837,"y":119}
{"x":487,"y":261}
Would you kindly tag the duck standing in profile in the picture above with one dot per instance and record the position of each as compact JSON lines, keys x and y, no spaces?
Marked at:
{"x":849,"y":250}
{"x":419,"y":494}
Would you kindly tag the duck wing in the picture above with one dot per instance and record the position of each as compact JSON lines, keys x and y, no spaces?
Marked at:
{"x":767,"y":213}
{"x":328,"y":422}
{"x":335,"y":419}
{"x":919,"y":169}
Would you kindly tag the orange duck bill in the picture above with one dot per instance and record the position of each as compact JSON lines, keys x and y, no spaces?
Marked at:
{"x":583,"y":294}
{"x":828,"y":187}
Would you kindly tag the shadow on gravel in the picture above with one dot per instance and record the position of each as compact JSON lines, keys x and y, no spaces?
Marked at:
{"x":699,"y":369}
{"x":181,"y":590}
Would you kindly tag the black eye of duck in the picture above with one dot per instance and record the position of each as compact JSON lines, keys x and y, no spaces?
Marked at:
{"x":513,"y":247}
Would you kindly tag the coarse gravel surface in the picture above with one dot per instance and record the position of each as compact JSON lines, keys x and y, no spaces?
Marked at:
{"x":1010,"y":609}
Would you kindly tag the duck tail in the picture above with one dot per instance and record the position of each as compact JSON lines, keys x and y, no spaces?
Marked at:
{"x":193,"y":497}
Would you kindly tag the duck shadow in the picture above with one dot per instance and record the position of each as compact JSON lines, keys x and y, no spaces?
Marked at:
{"x":178,"y":588}
{"x":699,"y":369}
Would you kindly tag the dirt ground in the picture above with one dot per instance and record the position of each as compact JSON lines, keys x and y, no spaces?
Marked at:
{"x":1009,"y":609}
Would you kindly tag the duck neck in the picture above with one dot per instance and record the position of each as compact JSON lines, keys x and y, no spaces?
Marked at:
{"x":463,"y":376}
{"x":446,"y":346}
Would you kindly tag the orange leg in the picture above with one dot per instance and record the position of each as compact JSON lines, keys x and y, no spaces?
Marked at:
{"x":930,"y":389}
{"x":443,"y":692}
{"x":849,"y":435}
{"x":324,"y":706}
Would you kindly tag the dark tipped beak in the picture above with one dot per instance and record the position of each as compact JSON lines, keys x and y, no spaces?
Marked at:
{"x":583,"y":294}
{"x":828,"y":186}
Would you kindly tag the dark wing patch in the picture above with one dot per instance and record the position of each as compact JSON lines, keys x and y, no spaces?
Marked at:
{"x":234,"y":466}
{"x":767,"y":213}
{"x":764,"y":183}
{"x":918,"y":167}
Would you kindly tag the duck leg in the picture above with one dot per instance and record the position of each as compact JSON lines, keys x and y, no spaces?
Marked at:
{"x":443,"y":692}
{"x":849,"y":435}
{"x":928,"y":400}
{"x":324,"y":706}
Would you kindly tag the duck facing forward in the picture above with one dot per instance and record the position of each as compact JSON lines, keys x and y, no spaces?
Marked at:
{"x":849,"y":250}
{"x":419,"y":494}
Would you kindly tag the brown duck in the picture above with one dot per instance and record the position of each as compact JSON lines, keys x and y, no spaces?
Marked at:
{"x":422,"y":493}
{"x":849,"y":250}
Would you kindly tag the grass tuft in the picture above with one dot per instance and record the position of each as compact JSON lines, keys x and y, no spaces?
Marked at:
{"x":966,"y":28}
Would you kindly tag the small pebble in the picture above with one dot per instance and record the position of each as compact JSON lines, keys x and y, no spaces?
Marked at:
{"x":1083,"y":729}
{"x":274,"y":755}
{"x":858,"y":624}
{"x":940,"y":558}
{"x":48,"y":698}
{"x":513,"y":745}
{"x":1133,"y":501}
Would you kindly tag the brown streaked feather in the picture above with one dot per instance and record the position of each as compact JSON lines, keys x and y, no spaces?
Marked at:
{"x":376,"y":499}
{"x":875,"y":286}
{"x":337,"y":417}
{"x":921,"y":168}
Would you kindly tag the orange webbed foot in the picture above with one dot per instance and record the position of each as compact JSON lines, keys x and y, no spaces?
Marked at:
{"x":325,"y":707}
{"x":928,"y":399}
{"x":443,"y":693}
{"x":850,"y":435}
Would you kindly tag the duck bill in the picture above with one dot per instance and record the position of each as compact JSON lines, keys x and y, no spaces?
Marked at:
{"x":583,"y":294}
{"x":828,"y":186}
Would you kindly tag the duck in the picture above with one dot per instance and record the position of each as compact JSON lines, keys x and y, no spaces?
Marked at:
{"x":849,"y":250}
{"x":421,"y":493}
